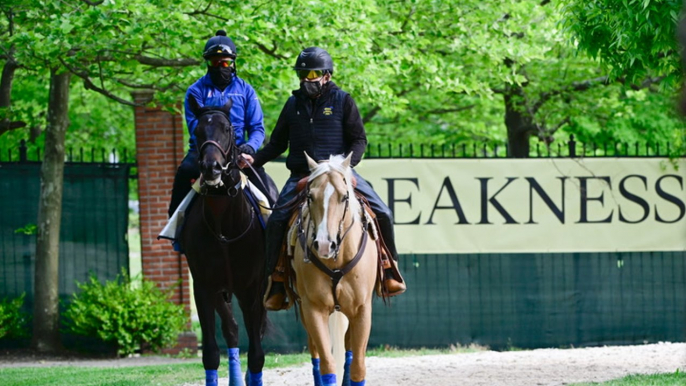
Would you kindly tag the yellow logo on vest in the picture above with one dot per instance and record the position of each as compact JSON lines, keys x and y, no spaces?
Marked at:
{"x":328,"y":110}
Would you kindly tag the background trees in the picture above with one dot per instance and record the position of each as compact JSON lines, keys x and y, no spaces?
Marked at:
{"x":422,"y":71}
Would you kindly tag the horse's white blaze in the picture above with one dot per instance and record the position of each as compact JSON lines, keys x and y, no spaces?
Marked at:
{"x":323,"y":237}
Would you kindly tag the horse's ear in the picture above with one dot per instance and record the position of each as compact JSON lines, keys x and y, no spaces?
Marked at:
{"x":310,"y":162}
{"x":227,"y":107}
{"x":193,"y":105}
{"x":346,"y":161}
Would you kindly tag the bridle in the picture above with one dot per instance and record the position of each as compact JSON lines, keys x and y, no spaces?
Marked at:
{"x":229,"y":154}
{"x":311,"y":256}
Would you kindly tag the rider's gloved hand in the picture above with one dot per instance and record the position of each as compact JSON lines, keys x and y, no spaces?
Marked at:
{"x":246,"y":149}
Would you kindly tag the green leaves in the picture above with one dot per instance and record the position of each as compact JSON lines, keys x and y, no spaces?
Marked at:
{"x":13,"y":322}
{"x":128,"y":316}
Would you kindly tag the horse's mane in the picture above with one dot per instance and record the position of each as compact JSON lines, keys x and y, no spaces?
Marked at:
{"x":335,"y":164}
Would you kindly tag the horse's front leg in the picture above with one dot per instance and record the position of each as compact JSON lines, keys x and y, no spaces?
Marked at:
{"x":254,"y":319}
{"x":210,"y":351}
{"x":315,"y":322}
{"x":314,"y":354}
{"x":230,"y":332}
{"x":360,"y":327}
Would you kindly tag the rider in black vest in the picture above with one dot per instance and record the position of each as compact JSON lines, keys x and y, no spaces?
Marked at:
{"x":321,"y":119}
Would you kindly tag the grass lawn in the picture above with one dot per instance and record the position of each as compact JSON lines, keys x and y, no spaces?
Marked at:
{"x":673,"y":379}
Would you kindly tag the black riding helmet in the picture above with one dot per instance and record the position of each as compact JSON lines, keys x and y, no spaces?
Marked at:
{"x":219,"y":45}
{"x":314,"y":58}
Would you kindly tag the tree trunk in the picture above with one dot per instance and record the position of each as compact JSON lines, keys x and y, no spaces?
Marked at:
{"x":46,"y":336}
{"x":519,"y":125}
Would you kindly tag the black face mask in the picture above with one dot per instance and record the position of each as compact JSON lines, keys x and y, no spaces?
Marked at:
{"x":311,"y":89}
{"x":220,"y":76}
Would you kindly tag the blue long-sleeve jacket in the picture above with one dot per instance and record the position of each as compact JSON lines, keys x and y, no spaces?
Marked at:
{"x":246,"y":112}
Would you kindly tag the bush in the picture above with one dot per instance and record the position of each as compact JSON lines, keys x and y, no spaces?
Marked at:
{"x":12,"y":320}
{"x":126,"y":316}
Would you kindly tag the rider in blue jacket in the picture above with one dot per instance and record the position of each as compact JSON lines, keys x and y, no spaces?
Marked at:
{"x":214,"y":89}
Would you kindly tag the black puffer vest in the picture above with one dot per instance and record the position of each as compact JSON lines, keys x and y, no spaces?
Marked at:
{"x":315,"y":126}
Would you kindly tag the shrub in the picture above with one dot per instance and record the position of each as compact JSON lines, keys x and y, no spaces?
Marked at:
{"x":12,"y":320}
{"x":128,"y":317}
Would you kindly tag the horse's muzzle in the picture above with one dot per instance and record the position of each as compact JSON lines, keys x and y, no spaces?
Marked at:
{"x":325,"y":250}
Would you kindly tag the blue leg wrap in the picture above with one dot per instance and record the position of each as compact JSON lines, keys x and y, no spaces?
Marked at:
{"x":353,"y":383}
{"x":211,"y":378}
{"x":315,"y":372}
{"x":253,"y":379}
{"x":235,"y":376}
{"x":346,"y":368}
{"x":328,"y":379}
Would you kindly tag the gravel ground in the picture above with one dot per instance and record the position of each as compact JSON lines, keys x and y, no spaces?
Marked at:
{"x":516,"y":368}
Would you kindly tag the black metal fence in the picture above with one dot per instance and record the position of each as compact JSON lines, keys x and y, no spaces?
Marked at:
{"x":571,"y":148}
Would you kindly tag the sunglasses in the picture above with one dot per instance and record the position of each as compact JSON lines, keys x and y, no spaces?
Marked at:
{"x":220,"y":62}
{"x":310,"y":74}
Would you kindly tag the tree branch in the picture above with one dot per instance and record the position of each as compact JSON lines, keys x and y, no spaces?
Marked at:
{"x":204,"y":12}
{"x":158,"y":62}
{"x":576,"y":87}
{"x":89,"y":85}
{"x":271,"y":52}
{"x":447,"y":111}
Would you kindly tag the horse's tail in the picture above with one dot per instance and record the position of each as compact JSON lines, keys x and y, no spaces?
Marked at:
{"x":338,"y":325}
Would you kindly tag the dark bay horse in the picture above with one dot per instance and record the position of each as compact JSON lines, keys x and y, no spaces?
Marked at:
{"x":224,"y":246}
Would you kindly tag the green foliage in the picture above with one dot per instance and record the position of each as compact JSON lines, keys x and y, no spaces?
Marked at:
{"x":424,"y":71}
{"x":635,"y":38}
{"x":127,"y":316}
{"x":13,"y":321}
{"x":28,"y":229}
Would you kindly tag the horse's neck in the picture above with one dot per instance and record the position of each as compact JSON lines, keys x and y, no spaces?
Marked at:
{"x":226,"y":209}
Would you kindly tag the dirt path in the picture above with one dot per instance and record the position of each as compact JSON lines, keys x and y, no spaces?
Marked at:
{"x":487,"y":368}
{"x":520,"y":368}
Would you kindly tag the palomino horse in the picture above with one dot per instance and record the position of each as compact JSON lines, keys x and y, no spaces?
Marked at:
{"x":335,"y":268}
{"x":224,"y":245}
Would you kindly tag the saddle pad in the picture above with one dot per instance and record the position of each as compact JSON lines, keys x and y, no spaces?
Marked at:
{"x":176,"y":220}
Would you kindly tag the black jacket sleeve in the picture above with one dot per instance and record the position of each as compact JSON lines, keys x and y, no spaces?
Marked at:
{"x":278,"y":141}
{"x":353,"y":131}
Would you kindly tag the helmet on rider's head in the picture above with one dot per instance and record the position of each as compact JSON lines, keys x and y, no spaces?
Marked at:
{"x":219,"y":45}
{"x":313,"y":59}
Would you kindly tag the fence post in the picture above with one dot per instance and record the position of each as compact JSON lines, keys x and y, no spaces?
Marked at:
{"x":572,"y":146}
{"x":22,"y":151}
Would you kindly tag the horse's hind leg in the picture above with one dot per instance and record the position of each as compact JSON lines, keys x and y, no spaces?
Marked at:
{"x":210,"y":351}
{"x":230,"y":332}
{"x":254,"y":318}
{"x":348,"y":358}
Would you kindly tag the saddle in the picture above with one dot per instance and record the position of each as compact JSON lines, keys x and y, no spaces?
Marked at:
{"x":284,"y":270}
